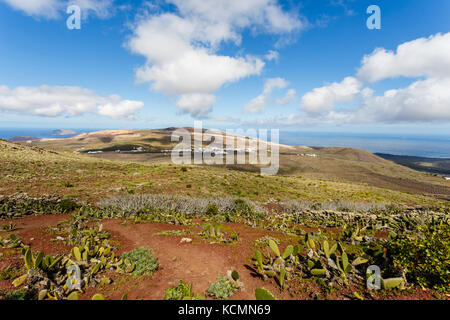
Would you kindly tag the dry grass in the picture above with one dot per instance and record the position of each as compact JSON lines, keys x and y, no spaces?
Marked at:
{"x":37,"y":171}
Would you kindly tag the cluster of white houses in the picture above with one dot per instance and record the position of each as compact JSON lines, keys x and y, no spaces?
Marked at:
{"x":211,"y":150}
{"x":307,"y":155}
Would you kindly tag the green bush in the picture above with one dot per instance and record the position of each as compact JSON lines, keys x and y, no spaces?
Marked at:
{"x":145,"y":263}
{"x":212,"y":209}
{"x":21,"y":294}
{"x":243,"y":207}
{"x":9,"y":273}
{"x":68,"y":205}
{"x":221,"y":289}
{"x":426,"y":256}
{"x":182,"y":292}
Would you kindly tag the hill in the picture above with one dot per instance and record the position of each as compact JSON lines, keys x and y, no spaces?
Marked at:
{"x":168,"y":221}
{"x":341,"y":165}
{"x":39,"y":171}
{"x":432,"y":165}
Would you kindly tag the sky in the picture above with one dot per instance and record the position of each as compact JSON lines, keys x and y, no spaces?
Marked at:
{"x":310,"y":65}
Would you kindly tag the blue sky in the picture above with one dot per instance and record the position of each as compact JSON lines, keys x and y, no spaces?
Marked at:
{"x":293,"y":65}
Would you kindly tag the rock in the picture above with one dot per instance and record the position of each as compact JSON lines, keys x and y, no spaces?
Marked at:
{"x":186,"y":240}
{"x":42,"y":294}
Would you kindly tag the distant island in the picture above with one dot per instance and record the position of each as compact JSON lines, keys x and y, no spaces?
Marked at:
{"x":63,"y":132}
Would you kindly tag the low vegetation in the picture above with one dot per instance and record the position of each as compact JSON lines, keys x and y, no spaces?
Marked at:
{"x":221,"y":289}
{"x":424,"y":255}
{"x":145,"y":263}
{"x":182,"y":291}
{"x":310,"y":236}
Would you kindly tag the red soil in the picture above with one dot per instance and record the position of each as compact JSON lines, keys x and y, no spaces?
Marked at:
{"x":197,"y":262}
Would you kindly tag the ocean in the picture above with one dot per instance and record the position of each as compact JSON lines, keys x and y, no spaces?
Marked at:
{"x":432,"y":146}
{"x":8,"y":133}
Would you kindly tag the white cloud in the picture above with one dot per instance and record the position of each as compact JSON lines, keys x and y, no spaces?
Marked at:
{"x":226,"y":18}
{"x":116,"y":108}
{"x":256,"y":105}
{"x":101,"y":8}
{"x":37,"y":8}
{"x":288,"y":98}
{"x":423,"y":100}
{"x":197,"y":71}
{"x":323,"y":99}
{"x":272,"y":55}
{"x":196,"y":104}
{"x":51,"y":9}
{"x":274,"y":83}
{"x":53,"y":101}
{"x":181,"y":47}
{"x":428,"y":57}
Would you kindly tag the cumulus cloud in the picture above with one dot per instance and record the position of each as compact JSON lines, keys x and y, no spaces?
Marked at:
{"x":37,"y":8}
{"x":323,"y":99}
{"x":100,"y":8}
{"x":424,"y":100}
{"x":196,"y":104}
{"x":181,"y":47}
{"x":421,"y":57}
{"x":116,"y":108}
{"x":288,"y":98}
{"x":257,"y":105}
{"x":51,"y":9}
{"x":274,"y":83}
{"x":53,"y":101}
{"x":272,"y":55}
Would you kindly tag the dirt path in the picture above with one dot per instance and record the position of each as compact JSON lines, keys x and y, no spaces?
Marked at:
{"x":198,"y":262}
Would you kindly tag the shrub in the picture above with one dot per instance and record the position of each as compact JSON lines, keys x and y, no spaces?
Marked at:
{"x":243,"y":207}
{"x":19,"y":205}
{"x":21,"y":294}
{"x":426,"y":256}
{"x":9,"y":273}
{"x":180,"y":204}
{"x":145,"y":263}
{"x":182,"y":292}
{"x":68,"y":205}
{"x":212,"y":209}
{"x":221,"y":289}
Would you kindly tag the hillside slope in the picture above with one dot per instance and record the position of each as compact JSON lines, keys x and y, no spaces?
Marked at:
{"x":336,"y":164}
{"x":38,"y":171}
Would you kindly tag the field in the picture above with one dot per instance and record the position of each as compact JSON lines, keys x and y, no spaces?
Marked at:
{"x":136,"y":224}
